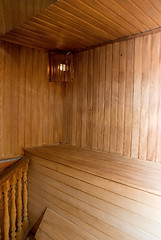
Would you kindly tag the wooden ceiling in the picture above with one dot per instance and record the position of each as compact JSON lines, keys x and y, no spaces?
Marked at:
{"x":77,"y":24}
{"x":14,"y":13}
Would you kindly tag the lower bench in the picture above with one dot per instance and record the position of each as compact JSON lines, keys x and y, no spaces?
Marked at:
{"x":55,"y":226}
{"x":111,"y":197}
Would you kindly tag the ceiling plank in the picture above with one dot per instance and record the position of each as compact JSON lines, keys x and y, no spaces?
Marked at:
{"x":149,"y":10}
{"x":15,"y":12}
{"x":72,"y":25}
{"x":137,"y":13}
{"x":106,"y":16}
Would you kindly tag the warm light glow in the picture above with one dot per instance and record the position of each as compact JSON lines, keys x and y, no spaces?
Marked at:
{"x":62,"y":67}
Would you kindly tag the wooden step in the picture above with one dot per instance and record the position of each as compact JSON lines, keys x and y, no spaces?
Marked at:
{"x":57,"y":227}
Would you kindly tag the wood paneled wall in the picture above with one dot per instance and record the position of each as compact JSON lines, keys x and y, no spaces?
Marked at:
{"x":114,"y":103}
{"x":30,"y":106}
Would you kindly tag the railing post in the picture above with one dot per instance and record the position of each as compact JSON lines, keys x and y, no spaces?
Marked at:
{"x":19,"y":235}
{"x":6,"y":188}
{"x":25,"y":199}
{"x":13,"y":207}
{"x":13,"y":192}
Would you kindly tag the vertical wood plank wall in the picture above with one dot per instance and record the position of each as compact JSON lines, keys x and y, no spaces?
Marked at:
{"x":114,"y":103}
{"x":30,"y":106}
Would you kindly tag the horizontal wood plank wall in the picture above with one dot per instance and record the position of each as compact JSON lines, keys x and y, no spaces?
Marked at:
{"x":30,"y":106}
{"x":115,"y":102}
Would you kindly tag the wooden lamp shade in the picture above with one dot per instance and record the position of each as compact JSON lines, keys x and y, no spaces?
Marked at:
{"x":60,"y":67}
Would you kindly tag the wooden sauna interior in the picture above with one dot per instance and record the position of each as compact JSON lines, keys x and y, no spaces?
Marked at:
{"x":91,"y":133}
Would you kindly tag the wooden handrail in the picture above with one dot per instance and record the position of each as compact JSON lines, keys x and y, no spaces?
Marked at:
{"x":12,"y":170}
{"x":13,"y":192}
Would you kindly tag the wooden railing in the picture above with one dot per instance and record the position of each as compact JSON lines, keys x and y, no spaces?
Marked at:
{"x":13,"y":198}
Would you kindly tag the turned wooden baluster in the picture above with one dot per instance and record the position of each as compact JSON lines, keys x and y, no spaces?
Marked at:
{"x":25,"y":199}
{"x":6,"y":188}
{"x":19,"y":234}
{"x":13,"y":207}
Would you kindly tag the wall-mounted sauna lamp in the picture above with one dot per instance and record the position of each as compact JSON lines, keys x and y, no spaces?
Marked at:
{"x":60,"y":66}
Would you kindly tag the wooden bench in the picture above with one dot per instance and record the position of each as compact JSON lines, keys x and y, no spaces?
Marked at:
{"x":55,"y":226}
{"x":112,"y":197}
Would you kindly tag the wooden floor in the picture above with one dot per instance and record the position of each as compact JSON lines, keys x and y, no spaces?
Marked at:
{"x":111,"y":196}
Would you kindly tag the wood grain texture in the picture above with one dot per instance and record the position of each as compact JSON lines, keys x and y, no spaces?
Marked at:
{"x":15,"y":13}
{"x":6,"y":164}
{"x":30,"y":106}
{"x":12,"y":203}
{"x":88,"y":188}
{"x":72,"y":25}
{"x":119,"y":109}
{"x":58,"y":227}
